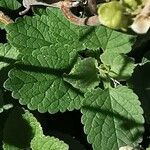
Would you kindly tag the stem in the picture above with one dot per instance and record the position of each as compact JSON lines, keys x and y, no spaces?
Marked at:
{"x":91,"y":21}
{"x":65,"y":7}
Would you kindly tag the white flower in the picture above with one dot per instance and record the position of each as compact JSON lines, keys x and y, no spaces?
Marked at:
{"x":141,"y":24}
{"x":126,"y":148}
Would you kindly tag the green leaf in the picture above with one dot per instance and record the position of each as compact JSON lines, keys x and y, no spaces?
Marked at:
{"x":108,"y":57}
{"x":120,"y":66}
{"x":72,"y":141}
{"x":8,"y":55}
{"x":140,"y":82}
{"x":51,"y":28}
{"x":49,"y":45}
{"x":23,"y":131}
{"x":43,"y":89}
{"x":10,"y":4}
{"x":84,"y":75}
{"x":20,"y":128}
{"x":48,"y":143}
{"x":112,"y":118}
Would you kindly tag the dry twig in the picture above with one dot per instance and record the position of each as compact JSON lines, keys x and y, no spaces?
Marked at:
{"x":5,"y":19}
{"x":65,"y":7}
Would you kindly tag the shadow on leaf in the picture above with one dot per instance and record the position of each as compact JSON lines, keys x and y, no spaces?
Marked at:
{"x":17,"y":131}
{"x":140,"y":83}
{"x":124,"y":123}
{"x":37,"y":69}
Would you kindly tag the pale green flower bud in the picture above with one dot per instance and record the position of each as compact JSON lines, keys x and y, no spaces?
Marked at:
{"x":112,"y":15}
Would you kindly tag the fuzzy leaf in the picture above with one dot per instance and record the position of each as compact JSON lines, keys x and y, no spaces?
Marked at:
{"x":20,"y":128}
{"x":112,"y":118}
{"x":8,"y":54}
{"x":41,"y":87}
{"x":84,"y":75}
{"x":10,"y":4}
{"x":120,"y":66}
{"x":108,"y":57}
{"x":52,"y":28}
{"x":48,"y":143}
{"x":49,"y":45}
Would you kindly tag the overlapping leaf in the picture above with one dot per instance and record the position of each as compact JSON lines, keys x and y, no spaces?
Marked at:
{"x":120,"y":66}
{"x":84,"y":75}
{"x":48,"y":45}
{"x":40,"y":86}
{"x":112,"y":118}
{"x":52,"y":28}
{"x":23,"y":131}
{"x":94,"y":37}
{"x":45,"y":92}
{"x":8,"y":55}
{"x":20,"y":128}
